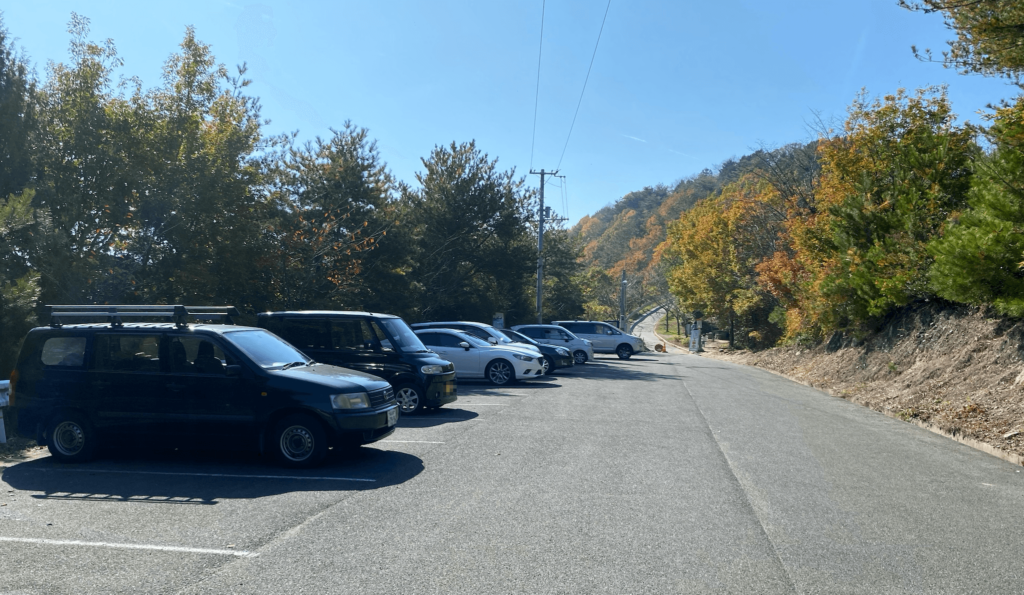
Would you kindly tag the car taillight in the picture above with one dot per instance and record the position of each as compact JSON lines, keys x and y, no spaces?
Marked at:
{"x":10,"y":391}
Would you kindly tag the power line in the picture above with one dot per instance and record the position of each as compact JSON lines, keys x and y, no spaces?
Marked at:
{"x":536,"y":96}
{"x":584,"y":86}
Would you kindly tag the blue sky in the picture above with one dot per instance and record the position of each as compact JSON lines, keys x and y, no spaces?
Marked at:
{"x":676,"y":86}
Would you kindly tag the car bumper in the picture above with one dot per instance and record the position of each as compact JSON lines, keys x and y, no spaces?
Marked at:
{"x":528,"y":370}
{"x":563,"y":362}
{"x":441,"y":390}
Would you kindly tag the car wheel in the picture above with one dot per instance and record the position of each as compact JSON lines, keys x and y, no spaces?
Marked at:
{"x":410,"y":398}
{"x":299,"y":441}
{"x":549,"y":365}
{"x":72,"y":439}
{"x":579,"y":356}
{"x":624,"y":351}
{"x":500,"y":372}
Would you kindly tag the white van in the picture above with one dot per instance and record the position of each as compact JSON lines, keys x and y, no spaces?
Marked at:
{"x":582,"y":350}
{"x":605,"y":337}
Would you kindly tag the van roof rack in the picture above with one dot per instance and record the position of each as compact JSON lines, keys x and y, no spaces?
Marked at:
{"x":177,"y":314}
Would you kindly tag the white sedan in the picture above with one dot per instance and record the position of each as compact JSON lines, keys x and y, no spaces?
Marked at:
{"x":474,"y":358}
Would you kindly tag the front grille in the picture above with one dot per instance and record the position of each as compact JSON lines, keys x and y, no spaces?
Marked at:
{"x":380,"y":397}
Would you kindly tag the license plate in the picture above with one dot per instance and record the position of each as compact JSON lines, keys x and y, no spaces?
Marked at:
{"x":449,"y":388}
{"x":392,"y":416}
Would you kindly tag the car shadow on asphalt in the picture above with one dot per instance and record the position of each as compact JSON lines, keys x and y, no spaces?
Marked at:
{"x":616,"y":369}
{"x":203,"y":478}
{"x":428,"y":418}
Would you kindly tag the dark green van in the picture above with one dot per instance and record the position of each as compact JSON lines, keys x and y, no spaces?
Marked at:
{"x":221,"y":385}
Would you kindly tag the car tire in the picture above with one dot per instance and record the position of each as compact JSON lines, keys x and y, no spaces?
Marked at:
{"x":71,"y":438}
{"x":410,"y":398}
{"x":500,"y":373}
{"x":624,"y":351}
{"x":550,"y":369}
{"x":298,"y":441}
{"x":579,"y":356}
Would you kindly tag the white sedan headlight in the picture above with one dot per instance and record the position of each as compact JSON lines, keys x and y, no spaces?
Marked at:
{"x":524,"y":358}
{"x":350,"y":401}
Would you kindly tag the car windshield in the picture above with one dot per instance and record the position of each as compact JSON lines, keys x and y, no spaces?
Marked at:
{"x":267,"y":349}
{"x":516,"y":337}
{"x":402,"y":336}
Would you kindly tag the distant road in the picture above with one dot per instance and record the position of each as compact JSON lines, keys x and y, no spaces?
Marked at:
{"x":662,"y":474}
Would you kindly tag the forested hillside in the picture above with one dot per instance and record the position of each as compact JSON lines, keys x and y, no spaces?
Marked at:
{"x":902,"y":203}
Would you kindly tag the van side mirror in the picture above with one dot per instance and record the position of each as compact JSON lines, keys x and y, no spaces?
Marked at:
{"x":233,"y":371}
{"x":464,"y":345}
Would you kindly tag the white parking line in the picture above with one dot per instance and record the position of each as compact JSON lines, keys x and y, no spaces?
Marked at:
{"x":485,"y":404}
{"x":412,"y":441}
{"x":232,"y":475}
{"x":132,"y":546}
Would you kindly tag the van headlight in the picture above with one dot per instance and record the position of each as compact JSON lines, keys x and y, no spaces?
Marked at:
{"x":432,"y":369}
{"x":524,"y":358}
{"x":350,"y":401}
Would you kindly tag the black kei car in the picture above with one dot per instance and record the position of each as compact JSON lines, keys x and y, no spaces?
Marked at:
{"x":176,"y":383}
{"x":378,"y":344}
{"x":556,"y":357}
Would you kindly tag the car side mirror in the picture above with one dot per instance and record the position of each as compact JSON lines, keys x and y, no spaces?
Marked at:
{"x":567,"y":339}
{"x":492,"y":340}
{"x":233,"y":371}
{"x":464,"y":345}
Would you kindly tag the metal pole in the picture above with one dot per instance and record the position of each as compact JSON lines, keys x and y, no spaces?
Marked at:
{"x":540,"y":254}
{"x":622,"y":302}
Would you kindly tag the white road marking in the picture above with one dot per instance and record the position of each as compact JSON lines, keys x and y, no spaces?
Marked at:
{"x":442,"y":418}
{"x":231,"y":475}
{"x":485,"y":404}
{"x":132,"y":546}
{"x":412,"y":441}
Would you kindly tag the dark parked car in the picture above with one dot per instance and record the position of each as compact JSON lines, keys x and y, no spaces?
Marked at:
{"x":378,"y":344}
{"x":556,"y":357}
{"x":178,"y":383}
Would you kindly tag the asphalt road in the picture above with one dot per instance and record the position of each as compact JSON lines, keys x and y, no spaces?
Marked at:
{"x":663,"y":474}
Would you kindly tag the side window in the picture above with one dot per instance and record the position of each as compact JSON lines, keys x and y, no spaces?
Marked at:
{"x":382,"y":338}
{"x":447,"y":340}
{"x":553,"y":334}
{"x":573,"y":326}
{"x":533,"y":333}
{"x":196,"y":355}
{"x":128,"y":353}
{"x":430,"y":339}
{"x":352,"y":335}
{"x":564,"y":336}
{"x":304,"y":333}
{"x":479,"y":333}
{"x":64,"y":351}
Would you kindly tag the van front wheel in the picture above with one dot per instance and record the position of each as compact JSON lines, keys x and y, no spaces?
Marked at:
{"x":71,"y":438}
{"x":624,"y":351}
{"x":298,"y":441}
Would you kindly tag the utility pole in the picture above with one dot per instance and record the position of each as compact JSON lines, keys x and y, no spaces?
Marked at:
{"x":542,"y":214}
{"x":622,"y":302}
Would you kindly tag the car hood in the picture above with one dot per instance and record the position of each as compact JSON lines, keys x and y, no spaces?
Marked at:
{"x":333,"y":377}
{"x":518,"y":345}
{"x":516,"y":349}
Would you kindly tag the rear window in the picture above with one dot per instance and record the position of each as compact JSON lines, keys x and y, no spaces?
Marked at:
{"x":64,"y":351}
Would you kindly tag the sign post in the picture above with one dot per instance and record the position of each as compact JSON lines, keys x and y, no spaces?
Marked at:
{"x":695,"y":329}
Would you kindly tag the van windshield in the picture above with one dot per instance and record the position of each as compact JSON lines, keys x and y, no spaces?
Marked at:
{"x":399,"y":333}
{"x":267,"y":349}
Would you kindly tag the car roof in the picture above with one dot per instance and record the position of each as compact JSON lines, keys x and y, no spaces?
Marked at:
{"x":148,"y":326}
{"x":556,"y":322}
{"x":471,"y":323}
{"x":536,"y":326}
{"x":326,"y":313}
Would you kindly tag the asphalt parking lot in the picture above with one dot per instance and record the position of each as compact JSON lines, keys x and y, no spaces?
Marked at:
{"x":666,"y":473}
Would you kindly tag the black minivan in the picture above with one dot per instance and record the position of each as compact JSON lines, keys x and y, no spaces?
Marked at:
{"x":378,"y":344}
{"x":178,"y":383}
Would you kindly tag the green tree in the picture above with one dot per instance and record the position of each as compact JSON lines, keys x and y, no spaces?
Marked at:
{"x":17,"y":117}
{"x":989,"y":35}
{"x":19,"y":285}
{"x":476,"y":252}
{"x":980,"y":259}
